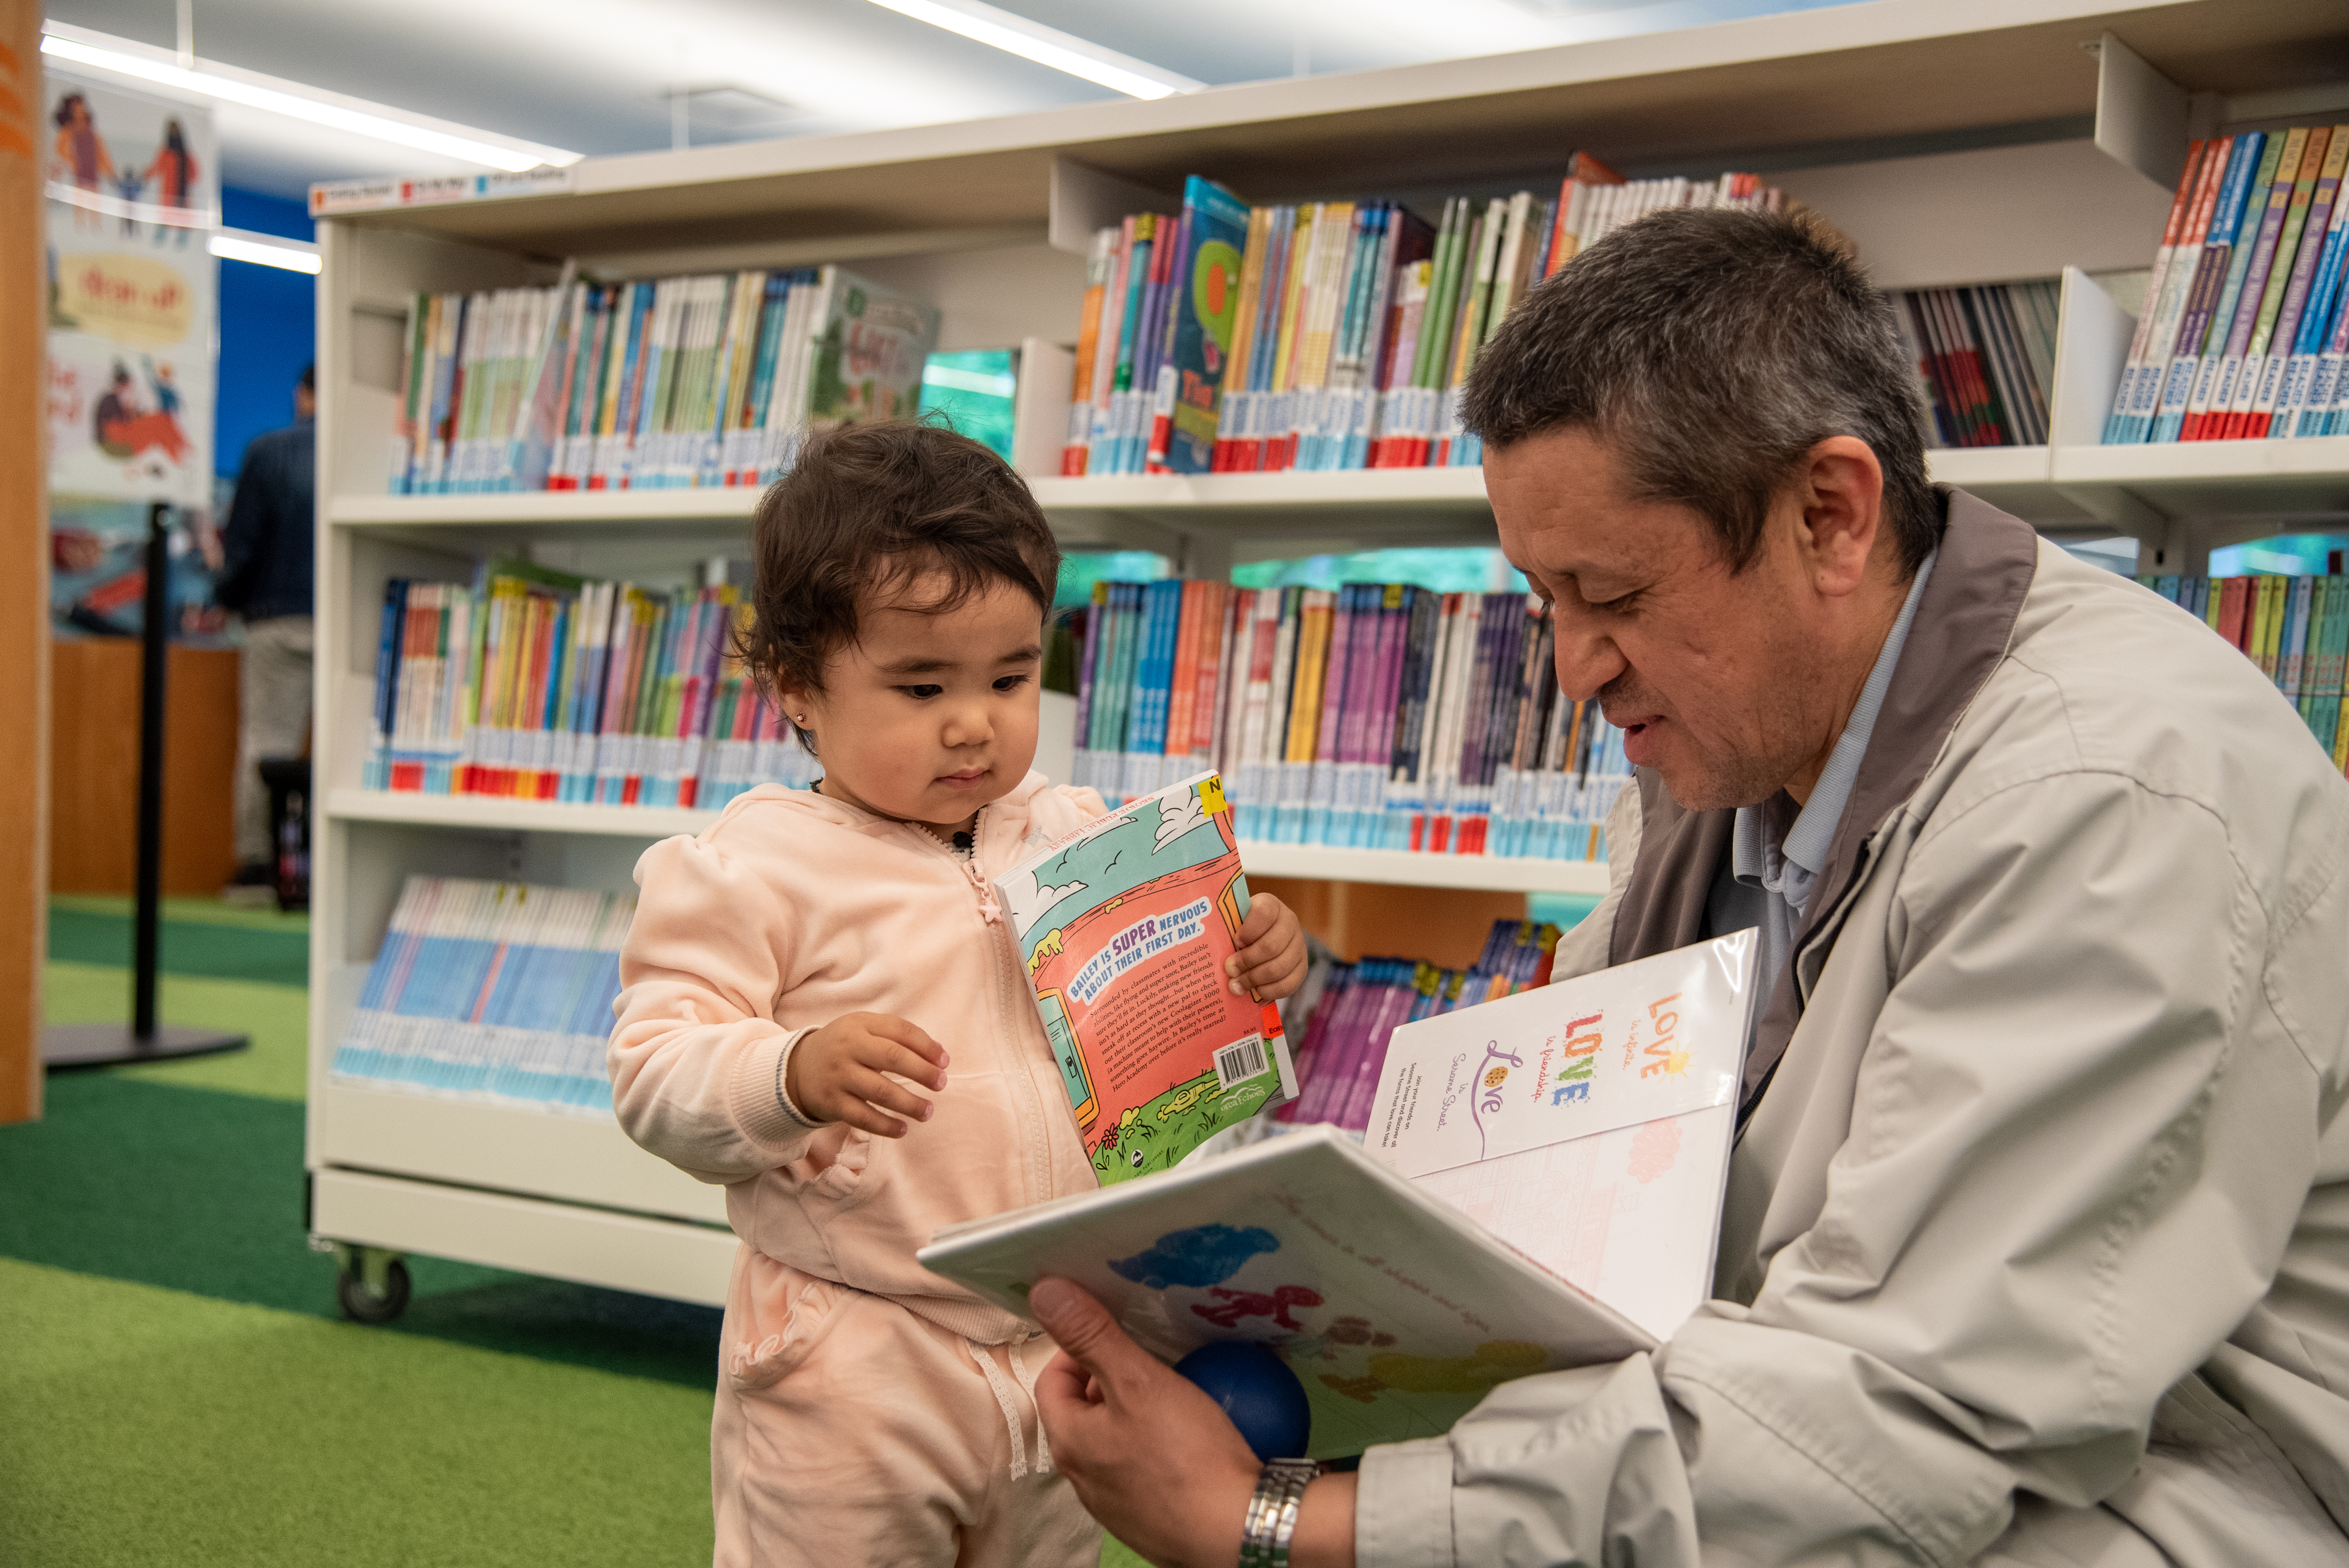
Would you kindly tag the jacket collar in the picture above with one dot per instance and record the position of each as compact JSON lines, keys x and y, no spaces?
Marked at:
{"x":1964,"y":621}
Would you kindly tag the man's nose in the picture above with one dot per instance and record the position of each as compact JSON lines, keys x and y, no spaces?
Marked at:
{"x":1588,"y":658}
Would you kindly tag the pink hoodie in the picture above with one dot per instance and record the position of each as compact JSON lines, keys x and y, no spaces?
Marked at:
{"x":789,"y":912}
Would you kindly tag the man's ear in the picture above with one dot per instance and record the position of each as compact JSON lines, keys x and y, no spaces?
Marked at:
{"x":1841,"y":488}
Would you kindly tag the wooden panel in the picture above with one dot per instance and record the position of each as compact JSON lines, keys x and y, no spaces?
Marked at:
{"x":93,"y":832}
{"x":24,"y":569}
{"x":1360,"y":919}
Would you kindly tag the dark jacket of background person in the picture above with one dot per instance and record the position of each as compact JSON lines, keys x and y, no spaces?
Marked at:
{"x":267,"y":548}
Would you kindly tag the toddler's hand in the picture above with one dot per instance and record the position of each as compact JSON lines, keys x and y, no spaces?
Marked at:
{"x":1270,"y":962}
{"x":836,"y":1073}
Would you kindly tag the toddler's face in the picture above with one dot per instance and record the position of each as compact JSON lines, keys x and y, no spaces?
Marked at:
{"x":928,"y":717}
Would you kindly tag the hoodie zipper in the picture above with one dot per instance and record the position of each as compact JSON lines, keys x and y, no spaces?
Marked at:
{"x":1003,"y":961}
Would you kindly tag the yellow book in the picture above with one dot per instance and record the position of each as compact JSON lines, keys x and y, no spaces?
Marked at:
{"x":1312,"y":659}
{"x":1301,"y":243}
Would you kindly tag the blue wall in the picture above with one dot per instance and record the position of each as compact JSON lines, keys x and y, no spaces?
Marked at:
{"x":268,"y":329}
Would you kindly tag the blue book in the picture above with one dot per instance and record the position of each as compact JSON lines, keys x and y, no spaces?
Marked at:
{"x":1207,"y":304}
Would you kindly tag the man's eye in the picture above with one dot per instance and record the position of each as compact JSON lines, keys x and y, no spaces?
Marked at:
{"x":1011,"y":682}
{"x":1616,"y":605}
{"x":921,"y":694}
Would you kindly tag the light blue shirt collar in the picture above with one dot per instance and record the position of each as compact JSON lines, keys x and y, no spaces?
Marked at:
{"x":1787,"y":867}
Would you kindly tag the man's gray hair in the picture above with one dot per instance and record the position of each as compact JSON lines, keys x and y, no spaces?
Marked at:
{"x":1712,"y":348}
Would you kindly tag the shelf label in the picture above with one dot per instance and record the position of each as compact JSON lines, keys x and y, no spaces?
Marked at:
{"x":328,"y":197}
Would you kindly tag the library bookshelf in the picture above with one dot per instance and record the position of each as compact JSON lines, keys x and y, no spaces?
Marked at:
{"x":2000,"y":140}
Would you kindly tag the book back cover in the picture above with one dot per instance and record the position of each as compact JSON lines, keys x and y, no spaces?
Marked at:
{"x":1123,"y":926}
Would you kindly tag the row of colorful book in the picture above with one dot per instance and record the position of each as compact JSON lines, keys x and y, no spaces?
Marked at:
{"x":1986,"y":358}
{"x":2296,"y":629}
{"x":1377,"y":715}
{"x":1331,"y":334}
{"x":491,"y":991}
{"x":539,"y":687}
{"x":1360,"y":1004}
{"x":2243,"y":330}
{"x":663,"y":383}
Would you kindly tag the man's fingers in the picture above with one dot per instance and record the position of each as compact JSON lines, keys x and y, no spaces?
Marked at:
{"x":1086,"y":1334}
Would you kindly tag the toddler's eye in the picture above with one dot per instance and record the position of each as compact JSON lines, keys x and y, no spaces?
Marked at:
{"x":1011,"y":683}
{"x":921,"y":694}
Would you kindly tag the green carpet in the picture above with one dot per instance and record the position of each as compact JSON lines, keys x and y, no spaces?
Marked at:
{"x":150,"y":1425}
{"x":205,"y":938}
{"x":277,"y":1018}
{"x":176,"y":1387}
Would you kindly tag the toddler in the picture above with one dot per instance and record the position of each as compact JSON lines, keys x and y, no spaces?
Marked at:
{"x":824,"y":1012}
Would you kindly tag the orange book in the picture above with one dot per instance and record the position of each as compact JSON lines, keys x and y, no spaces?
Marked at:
{"x":1182,"y":684}
{"x":1076,"y":444}
{"x":1215,"y":608}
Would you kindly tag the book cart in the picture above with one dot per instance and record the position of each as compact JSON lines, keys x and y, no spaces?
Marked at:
{"x":1998,"y":139}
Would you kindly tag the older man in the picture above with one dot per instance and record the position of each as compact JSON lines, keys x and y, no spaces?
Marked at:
{"x":2037,"y":1246}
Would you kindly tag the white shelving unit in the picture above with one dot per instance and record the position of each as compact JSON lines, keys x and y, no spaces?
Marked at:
{"x":2003,"y":139}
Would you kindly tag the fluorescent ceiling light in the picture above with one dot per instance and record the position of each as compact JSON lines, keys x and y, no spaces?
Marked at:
{"x":268,"y":250}
{"x":208,"y":79}
{"x":1046,"y":45}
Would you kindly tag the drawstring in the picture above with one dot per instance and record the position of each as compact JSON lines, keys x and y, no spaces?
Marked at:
{"x":1001,"y":1387}
{"x":1027,"y":1381}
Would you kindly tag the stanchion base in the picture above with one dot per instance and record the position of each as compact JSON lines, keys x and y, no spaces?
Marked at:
{"x":65,"y":1046}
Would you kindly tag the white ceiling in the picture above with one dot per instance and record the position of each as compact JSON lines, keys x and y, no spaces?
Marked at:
{"x":600,"y":76}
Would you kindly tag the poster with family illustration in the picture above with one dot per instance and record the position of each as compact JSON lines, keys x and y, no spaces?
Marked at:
{"x":133,"y":199}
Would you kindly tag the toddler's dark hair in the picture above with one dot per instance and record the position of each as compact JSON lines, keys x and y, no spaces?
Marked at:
{"x":866,"y":509}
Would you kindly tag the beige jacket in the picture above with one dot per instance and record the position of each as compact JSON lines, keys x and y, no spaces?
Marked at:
{"x":2037,"y":1246}
{"x":789,"y":912}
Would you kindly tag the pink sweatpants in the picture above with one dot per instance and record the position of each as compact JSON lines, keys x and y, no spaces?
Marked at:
{"x":848,"y":1430}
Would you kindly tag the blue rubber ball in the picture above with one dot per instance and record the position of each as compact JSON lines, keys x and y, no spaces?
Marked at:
{"x":1258,"y":1391}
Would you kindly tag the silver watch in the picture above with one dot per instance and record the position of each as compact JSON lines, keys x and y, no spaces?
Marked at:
{"x":1272,"y":1512}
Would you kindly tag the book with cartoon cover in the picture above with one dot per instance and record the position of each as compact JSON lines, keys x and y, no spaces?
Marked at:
{"x":1124,"y":926}
{"x":1400,"y":1301}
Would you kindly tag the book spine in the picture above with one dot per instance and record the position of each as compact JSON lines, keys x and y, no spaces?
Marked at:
{"x":2235,"y":301}
{"x":2231,"y":421}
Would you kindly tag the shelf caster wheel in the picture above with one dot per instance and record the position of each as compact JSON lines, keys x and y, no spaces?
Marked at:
{"x":373,"y":1286}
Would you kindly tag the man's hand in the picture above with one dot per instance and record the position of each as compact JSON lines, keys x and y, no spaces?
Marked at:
{"x":837,"y":1074}
{"x":1270,"y":962}
{"x":1150,"y":1455}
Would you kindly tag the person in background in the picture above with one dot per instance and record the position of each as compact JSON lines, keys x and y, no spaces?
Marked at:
{"x":266,"y":578}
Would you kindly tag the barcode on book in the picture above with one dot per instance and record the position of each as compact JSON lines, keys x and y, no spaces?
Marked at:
{"x":1239,"y":1063}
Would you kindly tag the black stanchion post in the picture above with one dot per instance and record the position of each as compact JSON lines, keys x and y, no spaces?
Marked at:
{"x":108,"y":1044}
{"x":154,"y":643}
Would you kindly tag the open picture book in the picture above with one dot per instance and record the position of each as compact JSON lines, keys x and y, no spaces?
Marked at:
{"x":1540,"y":1188}
{"x":1124,"y":926}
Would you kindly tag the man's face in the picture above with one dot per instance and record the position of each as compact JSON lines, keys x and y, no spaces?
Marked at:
{"x":1708,"y":673}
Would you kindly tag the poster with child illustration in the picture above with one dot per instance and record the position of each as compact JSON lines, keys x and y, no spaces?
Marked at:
{"x":133,"y":200}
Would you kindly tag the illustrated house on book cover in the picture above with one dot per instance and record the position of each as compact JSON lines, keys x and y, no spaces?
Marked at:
{"x":1124,"y":926}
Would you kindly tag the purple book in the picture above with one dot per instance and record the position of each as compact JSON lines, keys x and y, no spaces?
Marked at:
{"x":1394,"y":1007}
